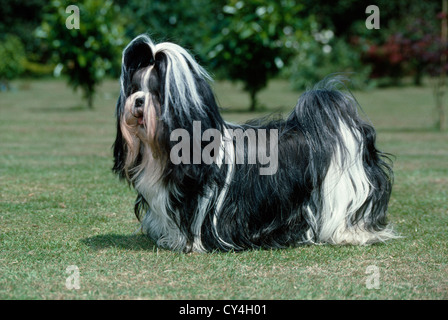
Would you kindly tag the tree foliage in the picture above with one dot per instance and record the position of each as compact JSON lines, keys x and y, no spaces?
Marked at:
{"x":20,"y":18}
{"x":326,"y":55}
{"x":255,"y":41}
{"x":188,"y":23}
{"x":87,"y":54}
{"x":12,"y":57}
{"x":249,"y":41}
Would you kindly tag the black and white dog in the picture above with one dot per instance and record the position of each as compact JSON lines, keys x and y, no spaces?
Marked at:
{"x":200,"y":187}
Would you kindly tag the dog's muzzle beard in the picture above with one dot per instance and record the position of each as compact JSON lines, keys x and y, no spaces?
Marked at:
{"x":138,"y":129}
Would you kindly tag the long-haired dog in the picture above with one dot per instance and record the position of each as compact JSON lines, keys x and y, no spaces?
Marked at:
{"x":204,"y":184}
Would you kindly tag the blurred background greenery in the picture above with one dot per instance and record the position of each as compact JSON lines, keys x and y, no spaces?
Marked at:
{"x":61,"y":205}
{"x":249,"y":41}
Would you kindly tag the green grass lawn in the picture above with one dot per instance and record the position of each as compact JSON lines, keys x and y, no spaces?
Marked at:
{"x":60,"y":205}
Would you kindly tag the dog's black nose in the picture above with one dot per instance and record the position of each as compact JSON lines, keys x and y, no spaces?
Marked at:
{"x":139,"y":103}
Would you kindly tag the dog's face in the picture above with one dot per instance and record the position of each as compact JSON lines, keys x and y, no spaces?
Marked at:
{"x":162,"y":89}
{"x":142,"y":105}
{"x":138,"y":120}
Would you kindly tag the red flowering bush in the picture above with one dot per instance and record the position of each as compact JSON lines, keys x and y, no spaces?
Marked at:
{"x":414,"y":51}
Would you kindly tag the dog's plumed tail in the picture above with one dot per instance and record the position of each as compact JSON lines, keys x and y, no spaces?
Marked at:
{"x":352,"y":179}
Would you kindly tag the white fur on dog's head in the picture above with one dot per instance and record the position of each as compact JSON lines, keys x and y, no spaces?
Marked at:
{"x":162,"y":88}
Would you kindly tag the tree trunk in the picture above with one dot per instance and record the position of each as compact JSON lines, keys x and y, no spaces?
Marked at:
{"x":89,"y":93}
{"x":441,"y":86}
{"x":442,"y":118}
{"x":439,"y":93}
{"x":418,"y":75}
{"x":253,"y":100}
{"x":90,"y":101}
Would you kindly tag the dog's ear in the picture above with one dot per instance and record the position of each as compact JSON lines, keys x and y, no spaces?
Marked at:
{"x":184,"y":92}
{"x":138,"y":54}
{"x":119,"y":146}
{"x":180,"y":78}
{"x":185,"y":97}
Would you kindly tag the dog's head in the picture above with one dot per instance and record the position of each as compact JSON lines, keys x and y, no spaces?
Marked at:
{"x":163,"y":88}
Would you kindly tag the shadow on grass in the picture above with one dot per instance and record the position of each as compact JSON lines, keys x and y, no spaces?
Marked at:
{"x":128,"y":242}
